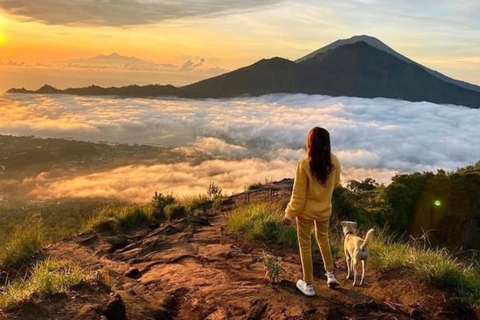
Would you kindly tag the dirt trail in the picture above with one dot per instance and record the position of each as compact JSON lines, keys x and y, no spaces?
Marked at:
{"x":193,"y":269}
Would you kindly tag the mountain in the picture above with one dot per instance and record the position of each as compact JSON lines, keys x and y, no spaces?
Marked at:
{"x":153,"y":90}
{"x":374,"y":42}
{"x":357,"y":69}
{"x":361,"y":66}
{"x":111,"y":58}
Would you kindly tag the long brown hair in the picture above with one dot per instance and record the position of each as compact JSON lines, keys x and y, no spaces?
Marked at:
{"x":318,"y":154}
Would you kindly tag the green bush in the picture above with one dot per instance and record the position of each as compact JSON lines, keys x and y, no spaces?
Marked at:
{"x":160,"y":202}
{"x":175,"y":211}
{"x":24,"y":242}
{"x":46,"y":278}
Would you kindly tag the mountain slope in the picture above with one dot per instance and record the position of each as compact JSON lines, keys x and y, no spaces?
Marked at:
{"x":376,"y":43}
{"x":276,"y":75}
{"x":193,"y":268}
{"x":361,"y":70}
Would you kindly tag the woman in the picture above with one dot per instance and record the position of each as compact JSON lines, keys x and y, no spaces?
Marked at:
{"x":317,"y":175}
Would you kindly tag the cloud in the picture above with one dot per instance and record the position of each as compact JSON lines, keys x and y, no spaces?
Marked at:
{"x":212,"y":147}
{"x":376,"y":137}
{"x":179,"y":179}
{"x":189,"y":65}
{"x":115,"y":61}
{"x":123,"y":12}
{"x":12,"y":63}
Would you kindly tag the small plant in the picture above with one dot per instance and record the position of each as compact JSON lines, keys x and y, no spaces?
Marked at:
{"x":175,"y":211}
{"x":213,"y":191}
{"x":25,"y":241}
{"x":273,"y":267}
{"x":104,"y":276}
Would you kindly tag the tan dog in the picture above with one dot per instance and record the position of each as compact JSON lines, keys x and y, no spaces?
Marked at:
{"x":355,"y":249}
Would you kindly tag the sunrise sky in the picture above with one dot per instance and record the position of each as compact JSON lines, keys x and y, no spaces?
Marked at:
{"x":182,"y":41}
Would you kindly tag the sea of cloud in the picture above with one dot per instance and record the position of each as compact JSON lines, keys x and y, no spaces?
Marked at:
{"x":245,"y":139}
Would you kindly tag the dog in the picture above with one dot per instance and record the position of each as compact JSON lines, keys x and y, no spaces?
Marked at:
{"x":356,"y":249}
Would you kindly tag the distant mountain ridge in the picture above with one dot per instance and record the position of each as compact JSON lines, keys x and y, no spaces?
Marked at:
{"x":361,"y":66}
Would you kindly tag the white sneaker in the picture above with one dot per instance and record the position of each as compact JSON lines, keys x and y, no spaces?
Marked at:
{"x":332,"y":282}
{"x":307,"y":289}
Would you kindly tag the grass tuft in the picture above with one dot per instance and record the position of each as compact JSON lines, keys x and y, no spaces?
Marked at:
{"x":255,"y":186}
{"x":46,"y":278}
{"x":196,"y":203}
{"x":263,"y":221}
{"x":122,"y":217}
{"x":25,"y":241}
{"x":175,"y":211}
{"x":435,"y":266}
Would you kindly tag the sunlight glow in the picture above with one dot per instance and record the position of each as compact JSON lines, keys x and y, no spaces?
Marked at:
{"x":3,"y":38}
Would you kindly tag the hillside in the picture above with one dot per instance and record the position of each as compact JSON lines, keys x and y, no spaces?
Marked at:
{"x":194,"y":268}
{"x":360,"y":67}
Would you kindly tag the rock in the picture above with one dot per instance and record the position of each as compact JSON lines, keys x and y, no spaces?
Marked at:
{"x":107,"y":225}
{"x":415,"y":313}
{"x":115,"y":309}
{"x":257,"y":310}
{"x":117,"y":243}
{"x":133,"y":273}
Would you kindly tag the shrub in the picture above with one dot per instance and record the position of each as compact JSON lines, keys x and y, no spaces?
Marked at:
{"x":26,"y":240}
{"x":160,"y":202}
{"x":46,"y":278}
{"x":175,"y":211}
{"x":255,"y":186}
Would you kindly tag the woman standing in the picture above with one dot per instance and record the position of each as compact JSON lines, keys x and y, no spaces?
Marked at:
{"x":317,"y":175}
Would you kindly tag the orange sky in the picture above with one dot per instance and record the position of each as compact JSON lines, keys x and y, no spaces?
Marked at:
{"x":35,"y":40}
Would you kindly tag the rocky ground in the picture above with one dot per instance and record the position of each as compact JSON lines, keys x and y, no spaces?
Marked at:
{"x":193,"y":269}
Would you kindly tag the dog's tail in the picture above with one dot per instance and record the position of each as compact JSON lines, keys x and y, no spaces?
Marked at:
{"x":367,"y":240}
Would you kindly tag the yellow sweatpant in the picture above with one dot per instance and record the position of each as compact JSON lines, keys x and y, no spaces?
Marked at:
{"x":304,"y":232}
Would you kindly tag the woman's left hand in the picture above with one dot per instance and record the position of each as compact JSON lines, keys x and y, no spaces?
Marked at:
{"x":286,"y":221}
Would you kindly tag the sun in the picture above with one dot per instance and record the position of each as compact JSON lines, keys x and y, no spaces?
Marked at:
{"x":3,"y":38}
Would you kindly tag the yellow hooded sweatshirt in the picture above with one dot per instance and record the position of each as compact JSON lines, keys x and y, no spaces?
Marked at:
{"x":310,"y":200}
